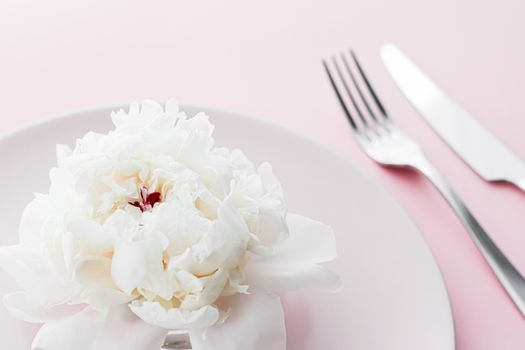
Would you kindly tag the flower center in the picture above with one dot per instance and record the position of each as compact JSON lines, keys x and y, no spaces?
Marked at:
{"x":147,"y":201}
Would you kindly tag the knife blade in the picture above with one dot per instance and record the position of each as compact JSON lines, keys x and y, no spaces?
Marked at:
{"x":481,"y":150}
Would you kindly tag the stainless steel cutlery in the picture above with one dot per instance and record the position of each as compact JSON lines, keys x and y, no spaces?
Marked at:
{"x":383,"y":141}
{"x":485,"y":154}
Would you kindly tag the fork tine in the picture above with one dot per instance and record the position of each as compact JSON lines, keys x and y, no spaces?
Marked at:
{"x":339,"y":97}
{"x":369,"y":86}
{"x":356,"y":85}
{"x":349,"y":92}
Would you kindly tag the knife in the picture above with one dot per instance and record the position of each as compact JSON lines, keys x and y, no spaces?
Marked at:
{"x":481,"y":150}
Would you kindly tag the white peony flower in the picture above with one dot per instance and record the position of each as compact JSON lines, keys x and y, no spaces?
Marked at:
{"x":151,"y":228}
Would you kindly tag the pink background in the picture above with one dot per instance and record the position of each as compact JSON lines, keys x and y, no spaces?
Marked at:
{"x":263,"y":59}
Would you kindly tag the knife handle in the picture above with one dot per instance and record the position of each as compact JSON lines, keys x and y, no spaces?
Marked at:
{"x":508,"y":275}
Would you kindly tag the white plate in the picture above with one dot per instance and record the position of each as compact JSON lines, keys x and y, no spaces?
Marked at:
{"x":394,"y":296}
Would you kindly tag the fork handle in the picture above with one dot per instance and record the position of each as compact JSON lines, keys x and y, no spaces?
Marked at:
{"x":508,"y":275}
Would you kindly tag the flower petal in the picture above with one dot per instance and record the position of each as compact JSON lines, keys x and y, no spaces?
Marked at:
{"x":211,"y":290}
{"x":273,"y":227}
{"x":156,"y":314}
{"x":140,"y":265}
{"x":172,"y":107}
{"x":120,"y":224}
{"x":294,"y":265}
{"x":128,"y":267}
{"x":123,"y":330}
{"x":256,"y":323}
{"x":89,"y":237}
{"x":75,"y":332}
{"x":94,"y":274}
{"x":33,"y":219}
{"x":24,"y":307}
{"x":35,"y":275}
{"x":223,"y":246}
{"x":94,"y":271}
{"x":310,"y":241}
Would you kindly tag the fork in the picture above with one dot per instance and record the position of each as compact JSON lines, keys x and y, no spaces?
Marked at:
{"x":383,"y":141}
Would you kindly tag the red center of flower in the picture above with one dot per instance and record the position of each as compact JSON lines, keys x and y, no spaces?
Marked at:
{"x":147,"y":201}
